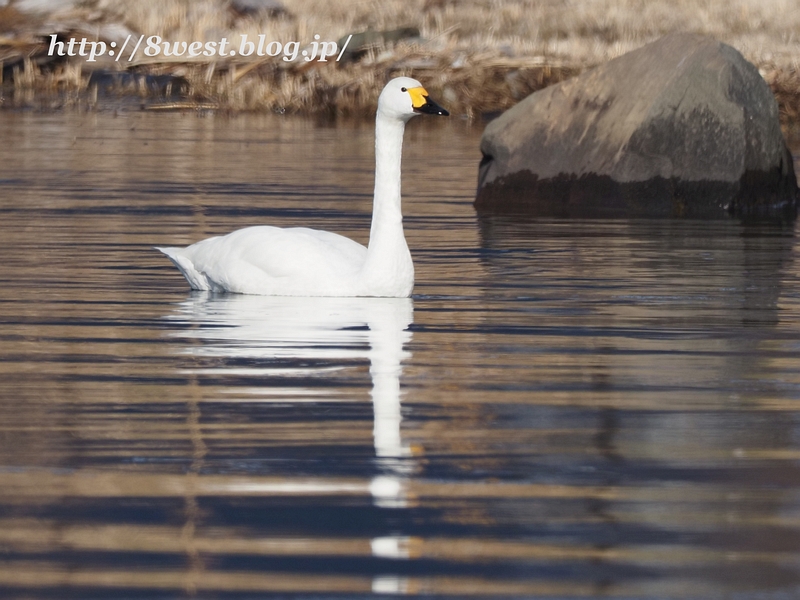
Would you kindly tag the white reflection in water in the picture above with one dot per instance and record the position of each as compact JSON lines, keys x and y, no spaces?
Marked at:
{"x":297,"y":331}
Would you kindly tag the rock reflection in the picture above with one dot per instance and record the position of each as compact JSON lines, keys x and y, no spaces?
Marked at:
{"x":696,"y":302}
{"x":681,"y":361}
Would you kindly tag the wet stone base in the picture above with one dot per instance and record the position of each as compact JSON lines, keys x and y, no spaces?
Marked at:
{"x":756,"y":195}
{"x":131,"y":82}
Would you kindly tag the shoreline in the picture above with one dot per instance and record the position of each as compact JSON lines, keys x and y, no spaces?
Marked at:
{"x":478,"y":60}
{"x":473,"y":92}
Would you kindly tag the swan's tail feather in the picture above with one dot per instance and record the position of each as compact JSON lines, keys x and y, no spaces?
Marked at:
{"x":196,"y":279}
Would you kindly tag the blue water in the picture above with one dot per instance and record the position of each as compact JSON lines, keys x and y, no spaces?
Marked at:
{"x":564,"y":409}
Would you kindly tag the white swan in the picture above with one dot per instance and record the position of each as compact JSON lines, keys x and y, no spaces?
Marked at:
{"x":271,"y":261}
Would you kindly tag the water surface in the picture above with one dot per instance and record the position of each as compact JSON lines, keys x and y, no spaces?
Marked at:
{"x":564,"y":409}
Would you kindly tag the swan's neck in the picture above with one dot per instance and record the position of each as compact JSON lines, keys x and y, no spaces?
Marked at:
{"x":386,"y":209}
{"x":388,"y":263}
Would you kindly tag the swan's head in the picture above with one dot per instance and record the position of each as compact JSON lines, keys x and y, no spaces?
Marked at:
{"x":403,"y":98}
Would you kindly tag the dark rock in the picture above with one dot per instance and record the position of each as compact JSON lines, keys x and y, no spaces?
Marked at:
{"x":683,"y":126}
{"x":361,"y":43}
{"x":252,"y":8}
{"x":122,"y":83}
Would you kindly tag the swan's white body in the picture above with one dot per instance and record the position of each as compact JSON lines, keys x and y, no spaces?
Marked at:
{"x":271,"y":261}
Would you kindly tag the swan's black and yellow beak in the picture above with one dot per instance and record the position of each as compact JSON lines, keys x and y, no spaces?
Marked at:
{"x":422,"y":104}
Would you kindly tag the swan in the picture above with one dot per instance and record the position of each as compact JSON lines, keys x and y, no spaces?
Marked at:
{"x":297,"y":261}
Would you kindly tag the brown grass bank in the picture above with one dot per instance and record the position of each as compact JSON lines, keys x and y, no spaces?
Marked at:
{"x":478,"y":56}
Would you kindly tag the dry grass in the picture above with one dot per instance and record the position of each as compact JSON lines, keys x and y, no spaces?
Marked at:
{"x":477,"y":55}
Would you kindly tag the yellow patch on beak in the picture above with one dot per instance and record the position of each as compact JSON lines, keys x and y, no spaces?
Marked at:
{"x":418,"y":96}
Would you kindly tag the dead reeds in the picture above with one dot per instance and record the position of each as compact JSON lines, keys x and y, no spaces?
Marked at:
{"x":478,"y":56}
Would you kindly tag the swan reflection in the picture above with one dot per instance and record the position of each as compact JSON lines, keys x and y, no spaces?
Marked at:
{"x":310,"y":337}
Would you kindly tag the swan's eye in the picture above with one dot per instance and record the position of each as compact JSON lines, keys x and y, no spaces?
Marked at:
{"x":403,"y":89}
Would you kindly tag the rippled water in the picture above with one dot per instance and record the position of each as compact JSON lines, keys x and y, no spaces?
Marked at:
{"x":564,"y":409}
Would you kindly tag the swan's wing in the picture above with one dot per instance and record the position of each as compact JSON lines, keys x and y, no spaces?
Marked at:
{"x":293,"y":251}
{"x":272,"y":260}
